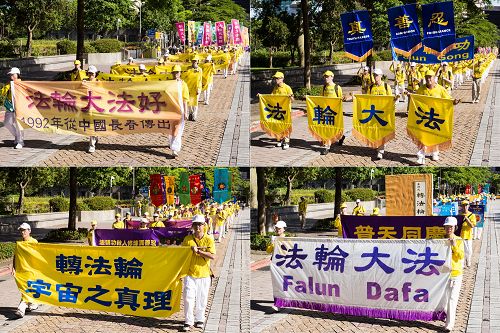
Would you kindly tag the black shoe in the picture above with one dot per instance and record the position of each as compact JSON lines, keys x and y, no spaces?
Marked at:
{"x":325,"y":151}
{"x":341,"y":141}
{"x":186,"y":328}
{"x":198,"y":324}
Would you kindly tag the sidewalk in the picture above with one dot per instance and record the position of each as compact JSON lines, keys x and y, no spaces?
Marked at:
{"x":234,"y":288}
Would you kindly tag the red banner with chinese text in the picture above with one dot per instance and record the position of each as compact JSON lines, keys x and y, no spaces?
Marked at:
{"x":157,"y":189}
{"x":195,"y":189}
{"x":98,"y":108}
{"x":170,"y":188}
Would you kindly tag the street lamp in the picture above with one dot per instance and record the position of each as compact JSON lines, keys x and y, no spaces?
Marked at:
{"x":372,"y":171}
{"x":111,"y":185}
{"x":118,"y":21}
{"x":138,"y":4}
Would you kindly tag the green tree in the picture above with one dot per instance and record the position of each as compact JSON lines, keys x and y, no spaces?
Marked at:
{"x":101,"y":15}
{"x":162,"y":14}
{"x":275,"y":33}
{"x":215,"y":10}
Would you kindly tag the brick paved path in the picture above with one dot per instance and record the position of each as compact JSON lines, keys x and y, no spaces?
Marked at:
{"x":59,"y":319}
{"x":201,"y":142}
{"x":305,"y":150}
{"x":264,"y":319}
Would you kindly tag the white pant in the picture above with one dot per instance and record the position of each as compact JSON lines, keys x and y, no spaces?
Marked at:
{"x":222,"y":230}
{"x":468,"y":252}
{"x":193,"y":110}
{"x":92,"y":141}
{"x":11,"y":125}
{"x":176,"y":141}
{"x":477,"y":232}
{"x":206,"y":93}
{"x":225,"y":72}
{"x":399,"y":90}
{"x":452,"y":295}
{"x":195,"y":298}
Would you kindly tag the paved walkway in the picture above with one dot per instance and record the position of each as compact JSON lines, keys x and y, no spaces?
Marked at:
{"x":202,"y":139}
{"x":401,"y":151}
{"x":232,"y":279}
{"x":479,"y":281}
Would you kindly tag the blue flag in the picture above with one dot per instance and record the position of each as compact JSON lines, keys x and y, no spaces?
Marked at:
{"x":221,"y":185}
{"x":439,"y":27}
{"x":463,"y":49}
{"x":358,"y":38}
{"x":405,"y":32}
{"x":199,"y":38}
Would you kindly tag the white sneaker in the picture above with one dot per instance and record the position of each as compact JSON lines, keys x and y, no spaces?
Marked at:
{"x":19,"y":313}
{"x":380,"y":156}
{"x":279,"y":144}
{"x":275,"y":308}
{"x":286,"y":146}
{"x":421,"y":160}
{"x":206,"y":103}
{"x":18,"y":146}
{"x":175,"y":153}
{"x":32,"y":307}
{"x":91,"y":150}
{"x":435,"y":156}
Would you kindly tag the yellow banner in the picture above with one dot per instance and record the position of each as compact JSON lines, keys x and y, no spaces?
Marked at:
{"x":132,"y":78}
{"x":220,"y":60}
{"x":373,"y":120}
{"x":170,"y":189}
{"x":131,"y":69}
{"x":325,"y":118}
{"x":98,"y":108}
{"x":129,"y":280}
{"x":208,"y":74}
{"x":430,"y":122}
{"x":276,"y":115}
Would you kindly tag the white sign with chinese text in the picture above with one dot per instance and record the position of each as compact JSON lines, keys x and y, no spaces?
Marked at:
{"x":399,"y":279}
{"x":420,"y":198}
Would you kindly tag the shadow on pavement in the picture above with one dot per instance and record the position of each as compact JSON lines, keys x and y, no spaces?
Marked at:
{"x":8,"y":312}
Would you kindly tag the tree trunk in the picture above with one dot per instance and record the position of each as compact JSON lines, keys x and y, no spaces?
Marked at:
{"x":73,"y":193}
{"x":289,"y":182}
{"x":307,"y":44}
{"x":29,"y":41}
{"x":261,"y":200}
{"x":20,"y":202}
{"x":331,"y":53}
{"x":253,"y":188}
{"x":338,"y":191}
{"x":80,"y":29}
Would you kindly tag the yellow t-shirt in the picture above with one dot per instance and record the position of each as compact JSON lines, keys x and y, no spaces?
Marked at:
{"x":413,"y":79}
{"x":30,"y":240}
{"x":118,"y":225}
{"x":158,"y":224}
{"x":332,"y":90}
{"x":400,"y":76}
{"x":448,"y":75}
{"x":466,"y":232}
{"x":366,"y":80}
{"x":358,"y":210}
{"x":457,"y":256}
{"x":438,"y":91}
{"x":283,"y":90}
{"x":384,"y":89}
{"x":200,"y":266}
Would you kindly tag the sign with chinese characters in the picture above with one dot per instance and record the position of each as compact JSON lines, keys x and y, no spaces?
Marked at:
{"x":463,"y":49}
{"x":397,"y":279}
{"x":420,"y":198}
{"x":98,"y":108}
{"x":276,"y":115}
{"x":400,"y":194}
{"x":430,"y":122}
{"x":438,"y":23}
{"x":478,"y":210}
{"x":221,"y":185}
{"x":325,"y":118}
{"x":446,"y":209}
{"x":236,"y":31}
{"x":133,"y":237}
{"x":157,"y":189}
{"x":220,"y":32}
{"x":395,"y":227}
{"x":374,"y":120}
{"x":130,"y":281}
{"x":195,"y":189}
{"x":358,"y":39}
{"x":181,"y":32}
{"x":405,"y":32}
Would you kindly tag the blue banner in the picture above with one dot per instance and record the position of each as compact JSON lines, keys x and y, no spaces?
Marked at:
{"x":199,"y":38}
{"x":447,"y":209}
{"x":358,"y":38}
{"x":439,"y":27}
{"x":486,"y":188}
{"x":462,"y":50}
{"x":478,"y":210}
{"x":221,"y":185}
{"x":405,"y":32}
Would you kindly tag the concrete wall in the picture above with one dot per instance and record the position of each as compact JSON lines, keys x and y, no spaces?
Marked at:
{"x":85,"y":217}
{"x":102,"y":60}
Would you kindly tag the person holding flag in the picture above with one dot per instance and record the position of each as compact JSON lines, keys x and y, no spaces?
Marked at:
{"x":366,"y":79}
{"x":281,"y":88}
{"x":399,"y":80}
{"x":331,"y":89}
{"x":445,"y":77}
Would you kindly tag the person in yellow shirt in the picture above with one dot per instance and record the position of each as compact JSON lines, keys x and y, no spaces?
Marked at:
{"x":477,"y":75}
{"x":90,"y":233}
{"x":156,"y":222}
{"x":144,"y":224}
{"x":194,"y":77}
{"x":455,"y":282}
{"x":281,"y":88}
{"x":25,"y":230}
{"x":176,"y":140}
{"x":198,"y":279}
{"x":92,"y":77}
{"x":413,"y":77}
{"x":118,"y":224}
{"x":367,"y":79}
{"x":399,"y":80}
{"x":359,"y":210}
{"x":208,"y":69}
{"x":331,"y":89}
{"x":10,"y":121}
{"x":302,"y":212}
{"x":380,"y":88}
{"x":433,"y":89}
{"x":466,"y":232}
{"x":220,"y":220}
{"x":279,"y":230}
{"x":376,"y":212}
{"x":338,"y":222}
{"x":445,"y":77}
{"x":77,"y":74}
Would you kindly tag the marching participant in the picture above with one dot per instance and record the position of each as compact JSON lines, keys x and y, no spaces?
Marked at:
{"x":118,"y":224}
{"x":466,"y":232}
{"x":445,"y":77}
{"x":194,"y":77}
{"x":92,"y":73}
{"x":198,"y":279}
{"x":331,"y":89}
{"x":90,"y":233}
{"x":359,"y":210}
{"x":302,"y":212}
{"x":10,"y":115}
{"x":366,"y":79}
{"x":156,"y":222}
{"x":281,"y":88}
{"x":176,"y":140}
{"x":338,"y":222}
{"x":477,"y":75}
{"x":399,"y":80}
{"x":208,"y":69}
{"x":413,"y":77}
{"x":77,"y":74}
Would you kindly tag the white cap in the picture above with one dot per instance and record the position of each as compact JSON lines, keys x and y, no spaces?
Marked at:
{"x":14,"y":70}
{"x":444,"y":63}
{"x":209,"y":57}
{"x":130,"y":58}
{"x":142,"y":66}
{"x":156,"y":215}
{"x":144,"y":220}
{"x":146,"y":214}
{"x":358,"y":201}
{"x":367,"y":68}
{"x":450,"y":220}
{"x":24,"y":226}
{"x":167,"y":53}
{"x":413,"y":64}
{"x":377,"y":71}
{"x":280,"y":224}
{"x":92,"y":69}
{"x":199,"y":218}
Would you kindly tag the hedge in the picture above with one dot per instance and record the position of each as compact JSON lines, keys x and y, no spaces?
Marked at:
{"x":107,"y":45}
{"x":66,"y":46}
{"x":363,"y":194}
{"x":35,"y":205}
{"x":100,"y":203}
{"x":259,"y":242}
{"x":59,"y":204}
{"x":7,"y":250}
{"x":64,"y":234}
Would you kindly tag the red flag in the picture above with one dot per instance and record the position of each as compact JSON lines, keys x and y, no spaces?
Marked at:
{"x":220,"y":32}
{"x":467,"y":189}
{"x":181,"y":31}
{"x":236,"y":31}
{"x":157,"y":189}
{"x":207,"y":34}
{"x":195,"y":189}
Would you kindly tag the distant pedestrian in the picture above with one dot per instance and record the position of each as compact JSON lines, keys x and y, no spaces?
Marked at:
{"x":302,"y":212}
{"x":10,"y":121}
